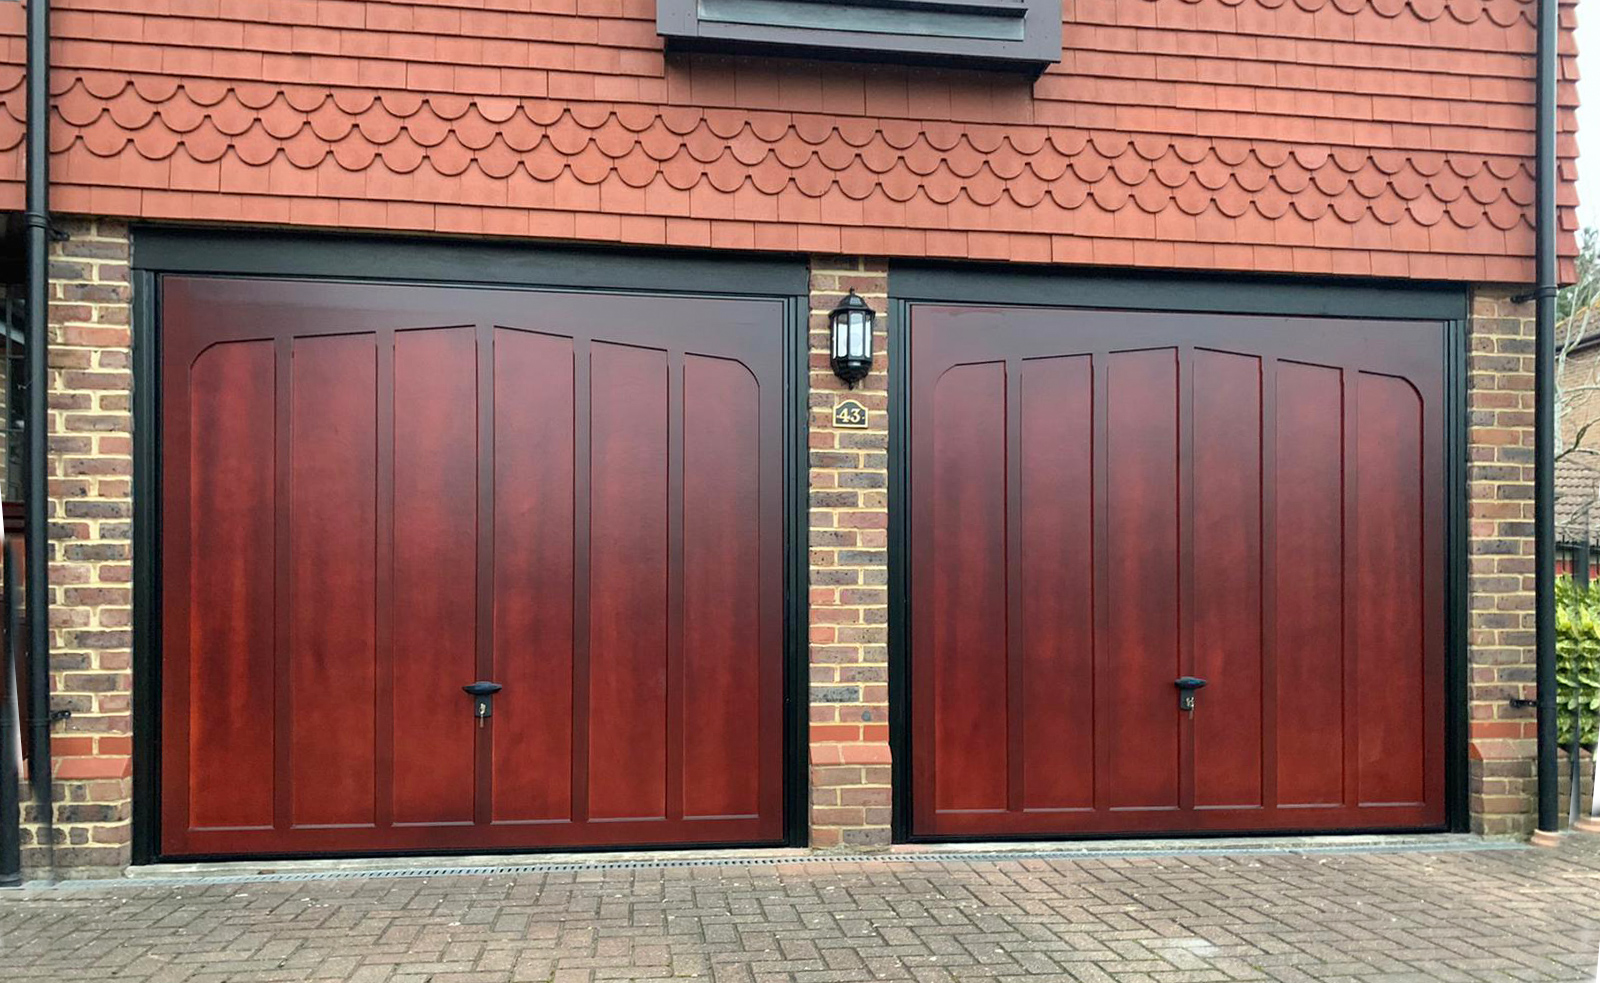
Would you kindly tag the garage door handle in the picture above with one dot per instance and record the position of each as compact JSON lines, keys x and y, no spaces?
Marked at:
{"x":1186,"y":689}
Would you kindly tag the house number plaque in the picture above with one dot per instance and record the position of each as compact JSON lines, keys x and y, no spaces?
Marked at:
{"x":850,"y":414}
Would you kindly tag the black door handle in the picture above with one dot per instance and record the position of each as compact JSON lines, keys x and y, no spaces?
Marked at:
{"x":1186,"y":689}
{"x":482,"y":688}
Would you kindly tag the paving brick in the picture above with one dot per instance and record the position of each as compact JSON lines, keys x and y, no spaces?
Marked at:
{"x":1419,"y":915}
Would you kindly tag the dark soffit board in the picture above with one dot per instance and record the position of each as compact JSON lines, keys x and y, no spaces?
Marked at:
{"x":1016,"y":35}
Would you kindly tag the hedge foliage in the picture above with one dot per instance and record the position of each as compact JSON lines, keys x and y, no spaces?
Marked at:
{"x":1577,"y":658}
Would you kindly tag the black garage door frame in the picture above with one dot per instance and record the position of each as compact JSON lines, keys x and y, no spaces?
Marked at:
{"x":1325,"y":297}
{"x":163,"y":249}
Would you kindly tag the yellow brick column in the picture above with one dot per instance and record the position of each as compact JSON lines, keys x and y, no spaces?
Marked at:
{"x":849,"y":624}
{"x":91,"y":534}
{"x":1501,"y":783}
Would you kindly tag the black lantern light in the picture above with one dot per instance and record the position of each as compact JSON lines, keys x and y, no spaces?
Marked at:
{"x":852,"y":324}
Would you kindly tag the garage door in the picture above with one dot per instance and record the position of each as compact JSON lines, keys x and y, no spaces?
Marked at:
{"x":374,"y":496}
{"x":1104,"y":503}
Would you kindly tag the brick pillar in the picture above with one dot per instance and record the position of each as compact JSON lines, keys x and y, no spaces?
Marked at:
{"x":1500,"y":564}
{"x":91,"y":573}
{"x":849,"y":525}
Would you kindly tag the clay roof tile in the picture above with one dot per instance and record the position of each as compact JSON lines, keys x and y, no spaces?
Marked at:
{"x":1069,"y":193}
{"x":835,"y":154}
{"x":304,"y":149}
{"x":856,"y":181}
{"x":402,"y":155}
{"x":613,"y":139}
{"x":1068,"y":142}
{"x":400,"y":103}
{"x":1350,"y":205}
{"x":355,"y":153}
{"x":1089,"y":167}
{"x":305,"y":98}
{"x":78,"y":106}
{"x":547,"y":112}
{"x":813,"y":178}
{"x":1026,"y":189}
{"x":1388,"y":207}
{"x":813,"y":129}
{"x":103,"y":137}
{"x":498,"y":160}
{"x":1426,"y":209}
{"x":428,"y":129}
{"x":590,"y":165}
{"x":255,"y":146}
{"x":769,"y":176}
{"x":636,"y":168}
{"x":570,"y":138}
{"x":329,"y":122}
{"x":1330,"y":180}
{"x":1131,"y":169}
{"x":351,"y":101}
{"x":1191,"y":197}
{"x":589,"y":115}
{"x":748,"y":148}
{"x":1152,"y":196}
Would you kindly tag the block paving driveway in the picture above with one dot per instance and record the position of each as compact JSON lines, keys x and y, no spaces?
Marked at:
{"x":1414,"y":915}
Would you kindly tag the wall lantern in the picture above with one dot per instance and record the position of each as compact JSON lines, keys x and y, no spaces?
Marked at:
{"x":852,"y":324}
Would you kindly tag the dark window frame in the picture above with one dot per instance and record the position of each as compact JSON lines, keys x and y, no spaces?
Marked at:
{"x":1011,"y":35}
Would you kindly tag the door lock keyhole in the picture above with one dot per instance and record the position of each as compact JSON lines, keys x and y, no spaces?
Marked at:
{"x":482,"y":693}
{"x":1187,"y":686}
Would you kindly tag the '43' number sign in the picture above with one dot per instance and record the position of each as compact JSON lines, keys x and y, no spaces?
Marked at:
{"x":850,"y":414}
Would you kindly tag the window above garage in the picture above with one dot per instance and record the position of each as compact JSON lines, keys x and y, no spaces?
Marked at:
{"x":1016,"y":35}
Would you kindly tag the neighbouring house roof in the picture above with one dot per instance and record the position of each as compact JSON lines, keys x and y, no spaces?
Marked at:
{"x":1381,"y":137}
{"x":1577,"y":501}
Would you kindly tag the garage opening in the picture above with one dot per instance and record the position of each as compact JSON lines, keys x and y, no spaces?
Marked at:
{"x":1115,"y":516}
{"x":449,"y":568}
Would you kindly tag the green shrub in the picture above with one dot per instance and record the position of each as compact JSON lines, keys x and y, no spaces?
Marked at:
{"x":1577,"y":658}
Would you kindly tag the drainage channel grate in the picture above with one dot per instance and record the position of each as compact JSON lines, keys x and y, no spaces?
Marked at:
{"x":930,"y":857}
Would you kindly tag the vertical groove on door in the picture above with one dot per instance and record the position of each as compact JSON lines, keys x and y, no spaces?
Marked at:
{"x":1269,"y":582}
{"x":1099,"y":549}
{"x":1350,"y":378}
{"x":282,"y":671}
{"x":582,"y":500}
{"x":483,"y":732}
{"x":383,"y":757}
{"x":1184,"y":412}
{"x":675,"y":572}
{"x":1014,"y":631}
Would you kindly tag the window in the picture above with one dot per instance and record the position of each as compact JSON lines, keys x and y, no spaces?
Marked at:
{"x":1018,"y":35}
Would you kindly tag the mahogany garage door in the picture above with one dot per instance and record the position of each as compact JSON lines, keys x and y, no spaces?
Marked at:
{"x":375,"y":495}
{"x":1104,"y":503}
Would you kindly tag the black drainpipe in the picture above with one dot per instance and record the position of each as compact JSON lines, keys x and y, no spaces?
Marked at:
{"x":1544,"y":430}
{"x":37,"y":424}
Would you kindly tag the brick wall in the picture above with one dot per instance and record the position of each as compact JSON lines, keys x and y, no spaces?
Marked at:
{"x":1500,"y":563}
{"x":91,"y":514}
{"x":849,"y":525}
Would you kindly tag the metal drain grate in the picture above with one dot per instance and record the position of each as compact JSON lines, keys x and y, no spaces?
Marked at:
{"x":1065,"y":854}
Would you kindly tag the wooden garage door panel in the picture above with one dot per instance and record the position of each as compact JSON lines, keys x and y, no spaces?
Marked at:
{"x":229,"y":683}
{"x":628,"y":583}
{"x":1055,"y":620}
{"x":534,"y":576}
{"x":374,"y":495}
{"x":1102,"y":502}
{"x":1135,"y":726}
{"x":1227,"y":588}
{"x":333,"y":539}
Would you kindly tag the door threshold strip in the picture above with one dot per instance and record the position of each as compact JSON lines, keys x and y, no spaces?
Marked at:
{"x":949,"y":854}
